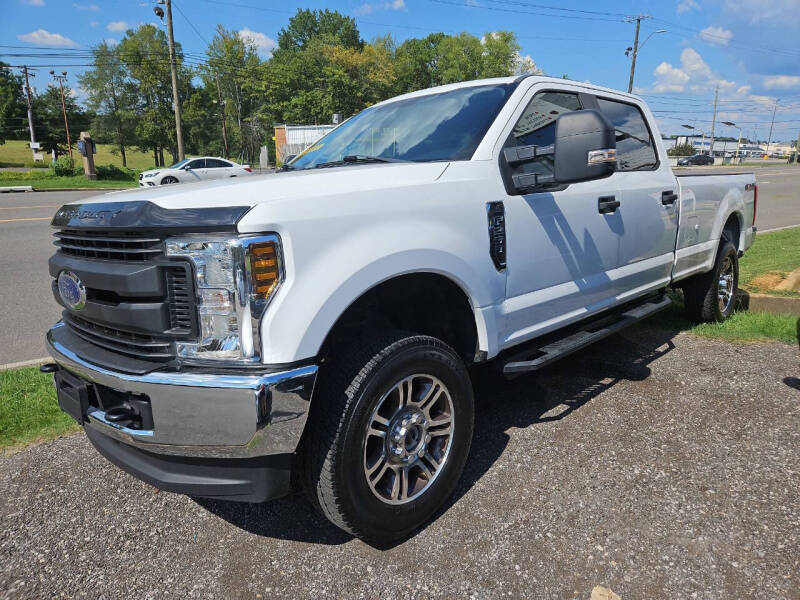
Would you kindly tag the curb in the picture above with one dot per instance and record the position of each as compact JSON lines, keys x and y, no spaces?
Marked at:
{"x":16,"y":188}
{"x":776,"y":305}
{"x":25,"y":363}
{"x":82,"y":189}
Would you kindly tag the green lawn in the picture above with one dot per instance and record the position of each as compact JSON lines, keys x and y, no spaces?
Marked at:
{"x":28,"y":409}
{"x":743,"y":327}
{"x":47,"y":180}
{"x":771,"y":258}
{"x":16,"y":153}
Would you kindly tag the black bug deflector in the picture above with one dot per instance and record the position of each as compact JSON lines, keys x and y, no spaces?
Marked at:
{"x":142,"y":215}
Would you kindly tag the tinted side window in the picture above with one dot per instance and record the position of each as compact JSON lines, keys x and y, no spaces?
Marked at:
{"x":537,"y":126}
{"x":215,"y":163}
{"x":199,"y":163}
{"x":635,"y":149}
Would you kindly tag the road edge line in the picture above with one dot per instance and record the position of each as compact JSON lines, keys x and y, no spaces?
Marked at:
{"x":25,"y":363}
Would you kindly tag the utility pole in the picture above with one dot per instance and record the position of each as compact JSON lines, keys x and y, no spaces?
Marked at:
{"x":61,"y":78}
{"x":635,"y":51}
{"x":30,"y":107}
{"x":173,"y":67}
{"x":714,"y":121}
{"x":222,"y":114}
{"x":769,"y":139}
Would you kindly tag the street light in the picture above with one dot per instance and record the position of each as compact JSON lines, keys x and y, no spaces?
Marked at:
{"x":739,"y":143}
{"x":61,"y":78}
{"x":635,"y":49}
{"x":703,"y":133}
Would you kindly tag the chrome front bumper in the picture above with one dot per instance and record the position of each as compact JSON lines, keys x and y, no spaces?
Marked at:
{"x":204,"y":415}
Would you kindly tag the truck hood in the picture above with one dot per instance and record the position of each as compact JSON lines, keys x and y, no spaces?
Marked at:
{"x":219,"y":205}
{"x":257,"y":189}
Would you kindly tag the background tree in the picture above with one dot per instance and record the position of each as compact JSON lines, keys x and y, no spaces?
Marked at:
{"x":145,"y":54}
{"x":113,"y":96}
{"x":232,"y":61}
{"x":12,"y":104}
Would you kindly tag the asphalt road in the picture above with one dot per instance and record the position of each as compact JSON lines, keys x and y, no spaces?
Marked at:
{"x":656,"y":465}
{"x":26,"y":244}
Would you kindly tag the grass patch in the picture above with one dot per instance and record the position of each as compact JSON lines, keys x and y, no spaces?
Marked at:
{"x":28,"y":409}
{"x":742,"y":327}
{"x":16,"y":153}
{"x":48,"y":180}
{"x":770,"y":259}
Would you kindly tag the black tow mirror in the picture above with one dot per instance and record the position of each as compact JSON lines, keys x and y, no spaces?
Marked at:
{"x":584,"y":148}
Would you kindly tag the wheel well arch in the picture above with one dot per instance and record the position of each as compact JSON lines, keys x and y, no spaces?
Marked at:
{"x":421,"y":302}
{"x":733,"y":225}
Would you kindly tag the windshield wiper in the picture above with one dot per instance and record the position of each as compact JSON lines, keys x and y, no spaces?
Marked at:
{"x":352,"y":159}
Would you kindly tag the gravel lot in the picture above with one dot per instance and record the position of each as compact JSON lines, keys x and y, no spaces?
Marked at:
{"x":657,"y":465}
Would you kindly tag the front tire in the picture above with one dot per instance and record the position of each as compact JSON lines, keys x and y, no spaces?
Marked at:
{"x":169,"y":179}
{"x":711,"y":297}
{"x":388,"y":435}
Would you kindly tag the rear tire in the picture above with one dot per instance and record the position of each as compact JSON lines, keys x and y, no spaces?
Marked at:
{"x":711,"y":297}
{"x":388,"y":435}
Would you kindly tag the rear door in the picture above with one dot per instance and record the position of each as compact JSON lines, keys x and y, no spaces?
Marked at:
{"x":648,"y":196}
{"x":562,"y":248}
{"x":217,"y":168}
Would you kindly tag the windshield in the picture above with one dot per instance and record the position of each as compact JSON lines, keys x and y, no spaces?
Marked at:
{"x":444,"y":126}
{"x":179,"y":164}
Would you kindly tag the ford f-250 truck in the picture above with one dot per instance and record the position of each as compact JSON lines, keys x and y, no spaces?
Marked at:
{"x":315,"y":326}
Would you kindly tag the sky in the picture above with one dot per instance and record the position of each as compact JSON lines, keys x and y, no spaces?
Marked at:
{"x":748,"y":48}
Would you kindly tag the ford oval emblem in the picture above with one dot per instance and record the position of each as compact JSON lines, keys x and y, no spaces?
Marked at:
{"x":71,"y":290}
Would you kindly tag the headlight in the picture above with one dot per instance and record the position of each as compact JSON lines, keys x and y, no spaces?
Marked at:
{"x":235,"y":279}
{"x":146,"y":175}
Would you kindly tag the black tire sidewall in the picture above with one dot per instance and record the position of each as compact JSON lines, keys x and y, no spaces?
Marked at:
{"x":376,"y":518}
{"x":727,"y":249}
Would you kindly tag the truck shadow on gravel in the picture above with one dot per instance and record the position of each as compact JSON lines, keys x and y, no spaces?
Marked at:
{"x":552,"y":394}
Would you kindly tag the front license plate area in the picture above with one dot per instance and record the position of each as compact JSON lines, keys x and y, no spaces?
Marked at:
{"x":73,"y":395}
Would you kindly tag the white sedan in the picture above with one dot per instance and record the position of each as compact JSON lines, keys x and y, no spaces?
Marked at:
{"x":193,"y":169}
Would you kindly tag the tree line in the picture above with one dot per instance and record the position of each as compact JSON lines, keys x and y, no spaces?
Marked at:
{"x":231,"y":97}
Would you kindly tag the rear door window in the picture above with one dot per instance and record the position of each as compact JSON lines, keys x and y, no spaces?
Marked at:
{"x":635,"y":148}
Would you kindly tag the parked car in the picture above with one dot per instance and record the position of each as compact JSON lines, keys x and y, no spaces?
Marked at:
{"x":193,"y":169}
{"x":316,"y":325}
{"x":696,"y":159}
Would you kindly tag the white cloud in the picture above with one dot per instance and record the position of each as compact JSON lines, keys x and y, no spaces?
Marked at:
{"x":263,"y":43}
{"x":369,"y":7}
{"x":42,"y":37}
{"x":755,"y":11}
{"x":92,"y":7}
{"x":118,"y":26}
{"x":686,"y":5}
{"x":93,"y":23}
{"x":693,"y":75}
{"x":33,"y":2}
{"x":716,"y":35}
{"x":781,"y":82}
{"x":669,"y":78}
{"x":525,"y":65}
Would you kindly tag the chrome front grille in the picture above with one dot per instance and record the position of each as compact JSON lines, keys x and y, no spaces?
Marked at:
{"x":105,"y":245}
{"x":147,"y":347}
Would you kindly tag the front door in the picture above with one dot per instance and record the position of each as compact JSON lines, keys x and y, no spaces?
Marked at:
{"x":562,"y":244}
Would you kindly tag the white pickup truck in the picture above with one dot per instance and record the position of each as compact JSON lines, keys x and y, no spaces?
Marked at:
{"x":315,"y":326}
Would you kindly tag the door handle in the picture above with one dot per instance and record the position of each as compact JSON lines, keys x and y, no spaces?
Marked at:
{"x":668,"y":197}
{"x":607,"y":204}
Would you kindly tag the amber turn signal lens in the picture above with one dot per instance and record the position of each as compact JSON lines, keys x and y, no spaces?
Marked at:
{"x":263,"y":267}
